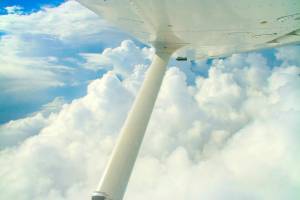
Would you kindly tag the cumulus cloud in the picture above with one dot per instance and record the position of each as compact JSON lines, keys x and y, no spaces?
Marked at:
{"x":41,"y":51}
{"x":15,"y":132}
{"x":36,"y":48}
{"x":234,"y":134}
{"x":13,"y":9}
{"x":121,"y":59}
{"x":63,"y":21}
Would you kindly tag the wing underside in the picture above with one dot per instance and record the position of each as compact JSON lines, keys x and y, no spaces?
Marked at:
{"x":209,"y":28}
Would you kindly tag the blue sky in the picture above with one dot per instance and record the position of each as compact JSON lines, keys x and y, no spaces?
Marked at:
{"x":221,"y":129}
{"x":29,"y":6}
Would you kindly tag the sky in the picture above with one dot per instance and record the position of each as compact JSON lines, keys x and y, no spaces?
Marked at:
{"x":221,"y":129}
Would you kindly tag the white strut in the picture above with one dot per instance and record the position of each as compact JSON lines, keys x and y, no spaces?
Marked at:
{"x":117,"y":173}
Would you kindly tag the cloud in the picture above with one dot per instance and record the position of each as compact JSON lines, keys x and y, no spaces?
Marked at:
{"x":22,"y":73}
{"x":40,"y":54}
{"x":15,"y":132}
{"x":121,"y":59}
{"x":289,"y":54}
{"x":13,"y":9}
{"x":36,"y":48}
{"x":63,"y":21}
{"x":232,"y":135}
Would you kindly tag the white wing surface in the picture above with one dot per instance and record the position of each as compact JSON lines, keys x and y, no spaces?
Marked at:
{"x":211,"y":27}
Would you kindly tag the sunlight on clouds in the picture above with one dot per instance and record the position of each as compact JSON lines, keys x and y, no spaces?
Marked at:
{"x":121,"y":59}
{"x":231,"y":135}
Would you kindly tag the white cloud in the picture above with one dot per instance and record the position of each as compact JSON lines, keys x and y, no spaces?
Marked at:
{"x":289,"y":54}
{"x":20,"y":73}
{"x":232,"y":135}
{"x":54,"y":106}
{"x":41,"y":50}
{"x":15,"y":132}
{"x":64,"y":21}
{"x":122,"y":59}
{"x":13,"y":9}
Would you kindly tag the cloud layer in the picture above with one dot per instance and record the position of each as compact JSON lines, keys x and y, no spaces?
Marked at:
{"x":231,"y":135}
{"x":34,"y":48}
{"x":41,"y":55}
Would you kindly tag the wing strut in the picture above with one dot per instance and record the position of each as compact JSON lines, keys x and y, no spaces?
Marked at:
{"x":116,"y":176}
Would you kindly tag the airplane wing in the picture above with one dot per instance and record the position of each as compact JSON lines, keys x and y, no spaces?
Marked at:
{"x":200,"y":29}
{"x":207,"y":28}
